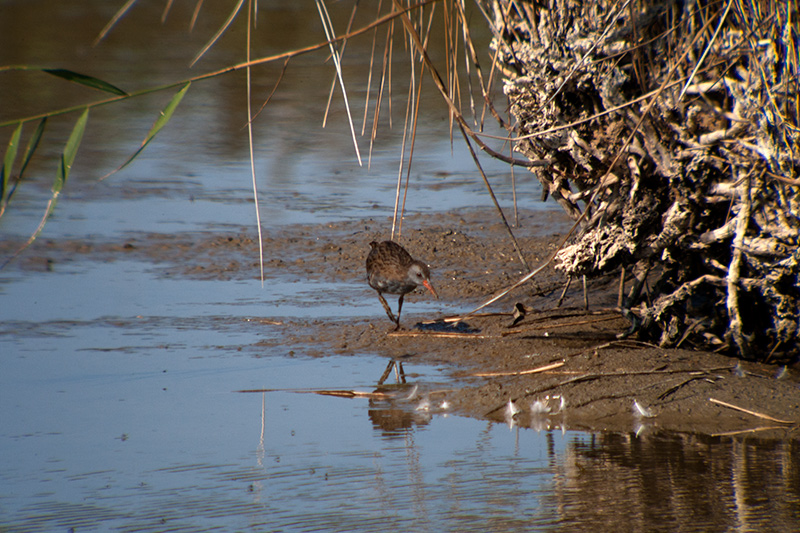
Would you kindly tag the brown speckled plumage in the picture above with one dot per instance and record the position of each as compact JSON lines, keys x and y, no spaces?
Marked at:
{"x":392,"y":270}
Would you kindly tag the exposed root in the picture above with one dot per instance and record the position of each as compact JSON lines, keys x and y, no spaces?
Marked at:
{"x":673,"y":136}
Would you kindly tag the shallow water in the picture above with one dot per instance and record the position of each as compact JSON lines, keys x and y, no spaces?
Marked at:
{"x":120,"y":402}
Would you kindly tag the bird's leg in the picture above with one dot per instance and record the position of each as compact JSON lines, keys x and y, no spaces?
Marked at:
{"x":389,"y":310}
{"x":399,"y":308}
{"x":392,"y":364}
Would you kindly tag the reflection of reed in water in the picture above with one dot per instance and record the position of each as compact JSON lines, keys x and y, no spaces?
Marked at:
{"x":617,"y":482}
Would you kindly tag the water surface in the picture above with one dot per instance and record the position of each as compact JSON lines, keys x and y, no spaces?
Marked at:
{"x":119,"y":386}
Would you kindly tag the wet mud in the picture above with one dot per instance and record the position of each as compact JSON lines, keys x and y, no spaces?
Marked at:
{"x":595,"y":380}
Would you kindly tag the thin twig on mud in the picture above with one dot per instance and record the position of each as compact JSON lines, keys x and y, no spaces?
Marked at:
{"x":626,"y":343}
{"x":439,"y":334}
{"x":561,"y":325}
{"x":449,"y":319}
{"x":674,"y":388}
{"x":754,"y":413}
{"x":545,"y":368}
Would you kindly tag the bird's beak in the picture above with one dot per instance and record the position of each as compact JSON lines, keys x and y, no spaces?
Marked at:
{"x":430,"y":288}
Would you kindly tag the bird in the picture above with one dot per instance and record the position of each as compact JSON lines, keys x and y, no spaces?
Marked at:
{"x":392,"y":270}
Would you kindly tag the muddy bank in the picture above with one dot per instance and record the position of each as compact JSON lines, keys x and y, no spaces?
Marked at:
{"x":597,"y":375}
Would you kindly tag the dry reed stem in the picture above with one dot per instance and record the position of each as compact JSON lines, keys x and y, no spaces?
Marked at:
{"x":440,"y":335}
{"x":164,"y":14}
{"x":118,"y":15}
{"x":219,"y":33}
{"x":385,"y":74}
{"x":368,"y":90}
{"x":251,"y":149}
{"x":331,"y":35}
{"x":560,"y":325}
{"x":195,"y":14}
{"x":520,"y":372}
{"x":274,"y":88}
{"x":749,"y":412}
{"x":341,"y":54}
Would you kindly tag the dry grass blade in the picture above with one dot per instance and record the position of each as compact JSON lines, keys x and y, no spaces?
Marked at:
{"x":466,"y":131}
{"x":369,"y":82}
{"x":341,"y":55}
{"x":118,"y":15}
{"x":707,"y":50}
{"x":494,"y":199}
{"x":331,"y":36}
{"x":485,"y":86}
{"x":219,"y":33}
{"x":519,"y":283}
{"x":251,"y":149}
{"x":396,"y":211}
{"x":562,"y":325}
{"x":410,"y":131}
{"x":439,"y":335}
{"x":274,"y":88}
{"x":167,"y":7}
{"x":753,"y":413}
{"x":459,"y":318}
{"x":537,"y":370}
{"x":469,"y":60}
{"x":195,"y":14}
{"x":385,"y":84}
{"x":437,"y":78}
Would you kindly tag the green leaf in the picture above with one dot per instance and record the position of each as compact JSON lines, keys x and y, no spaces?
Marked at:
{"x":166,"y":114}
{"x":160,"y":122}
{"x":67,"y":158}
{"x":83,"y":79}
{"x":70,"y":150}
{"x":33,"y":143}
{"x":8,"y":164}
